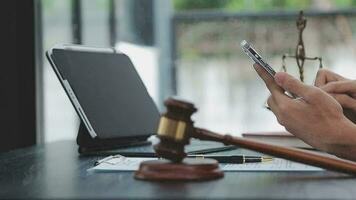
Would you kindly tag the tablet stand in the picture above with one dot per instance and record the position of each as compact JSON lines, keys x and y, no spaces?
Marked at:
{"x":88,"y":145}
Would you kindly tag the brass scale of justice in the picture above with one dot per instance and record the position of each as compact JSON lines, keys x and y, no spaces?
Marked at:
{"x":176,"y":129}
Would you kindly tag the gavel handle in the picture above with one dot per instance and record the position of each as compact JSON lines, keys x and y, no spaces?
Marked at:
{"x":292,"y":154}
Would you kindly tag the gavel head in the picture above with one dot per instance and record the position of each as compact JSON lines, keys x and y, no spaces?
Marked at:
{"x":175,"y":129}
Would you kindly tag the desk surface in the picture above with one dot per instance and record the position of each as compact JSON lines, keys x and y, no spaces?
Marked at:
{"x":56,"y":171}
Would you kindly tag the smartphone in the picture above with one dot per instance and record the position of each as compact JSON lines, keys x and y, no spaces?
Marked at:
{"x":251,"y":52}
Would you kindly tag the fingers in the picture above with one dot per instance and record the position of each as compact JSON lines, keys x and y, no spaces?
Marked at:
{"x":274,"y":108}
{"x":345,"y":87}
{"x":325,"y":76}
{"x":293,"y":85}
{"x":269,"y":81}
{"x":283,"y":109}
{"x":345,"y":101}
{"x":321,"y":77}
{"x":272,"y":105}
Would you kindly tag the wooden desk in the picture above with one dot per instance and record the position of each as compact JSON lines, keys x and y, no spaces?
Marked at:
{"x":55,"y":171}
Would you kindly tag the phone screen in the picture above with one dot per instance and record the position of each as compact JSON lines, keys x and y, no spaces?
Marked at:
{"x":250,"y":52}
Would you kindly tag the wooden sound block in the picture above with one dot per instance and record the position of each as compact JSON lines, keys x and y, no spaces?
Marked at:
{"x":190,"y":169}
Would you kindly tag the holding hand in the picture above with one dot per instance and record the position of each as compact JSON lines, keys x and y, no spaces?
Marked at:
{"x":342,"y":89}
{"x":317,"y":118}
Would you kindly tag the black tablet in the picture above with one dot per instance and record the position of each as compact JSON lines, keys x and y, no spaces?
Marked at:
{"x":105,"y":90}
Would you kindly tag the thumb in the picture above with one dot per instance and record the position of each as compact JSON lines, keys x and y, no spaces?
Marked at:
{"x":291,"y":84}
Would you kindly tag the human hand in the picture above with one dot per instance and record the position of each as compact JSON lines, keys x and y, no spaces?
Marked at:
{"x":317,"y":118}
{"x":342,"y":89}
{"x":325,"y":76}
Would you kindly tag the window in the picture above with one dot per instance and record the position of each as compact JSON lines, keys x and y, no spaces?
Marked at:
{"x":191,"y":49}
{"x":60,"y":119}
{"x":214,"y":73}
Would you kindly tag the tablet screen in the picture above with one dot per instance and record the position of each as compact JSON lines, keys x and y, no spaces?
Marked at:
{"x":110,"y":92}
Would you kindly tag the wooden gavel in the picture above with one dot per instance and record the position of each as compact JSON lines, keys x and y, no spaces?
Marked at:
{"x":176,"y":128}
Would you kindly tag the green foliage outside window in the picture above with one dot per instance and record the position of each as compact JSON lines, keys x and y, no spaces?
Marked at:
{"x":255,"y":5}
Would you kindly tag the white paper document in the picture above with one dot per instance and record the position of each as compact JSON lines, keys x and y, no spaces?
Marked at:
{"x":121,"y":164}
{"x":132,"y":164}
{"x":277,"y":164}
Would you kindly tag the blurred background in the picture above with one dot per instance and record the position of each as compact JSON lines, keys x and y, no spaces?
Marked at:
{"x":190,"y":48}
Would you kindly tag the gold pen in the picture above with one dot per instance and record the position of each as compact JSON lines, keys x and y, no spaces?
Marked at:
{"x":235,"y":159}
